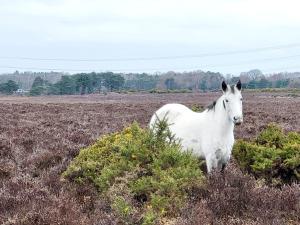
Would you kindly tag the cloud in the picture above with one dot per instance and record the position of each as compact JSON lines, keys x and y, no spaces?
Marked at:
{"x":160,"y":27}
{"x":143,"y":20}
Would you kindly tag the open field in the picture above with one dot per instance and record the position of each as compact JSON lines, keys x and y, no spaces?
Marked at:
{"x":39,"y":136}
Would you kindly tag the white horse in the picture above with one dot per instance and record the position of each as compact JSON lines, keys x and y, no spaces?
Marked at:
{"x":208,"y":134}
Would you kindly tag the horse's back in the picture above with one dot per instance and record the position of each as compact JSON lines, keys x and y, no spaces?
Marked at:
{"x":170,"y":112}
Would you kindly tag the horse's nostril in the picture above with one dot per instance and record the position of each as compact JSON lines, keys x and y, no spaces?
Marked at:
{"x":237,"y":120}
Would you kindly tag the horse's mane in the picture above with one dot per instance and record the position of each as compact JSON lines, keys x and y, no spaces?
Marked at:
{"x":212,"y":106}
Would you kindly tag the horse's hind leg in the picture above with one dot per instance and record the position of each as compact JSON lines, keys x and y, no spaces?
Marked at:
{"x":211,"y":163}
{"x":223,"y":167}
{"x":208,"y":166}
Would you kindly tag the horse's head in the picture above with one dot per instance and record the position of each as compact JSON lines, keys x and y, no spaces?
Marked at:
{"x":232,"y":102}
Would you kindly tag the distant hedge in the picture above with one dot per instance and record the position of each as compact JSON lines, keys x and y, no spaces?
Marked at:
{"x":143,"y":174}
{"x":273,"y":155}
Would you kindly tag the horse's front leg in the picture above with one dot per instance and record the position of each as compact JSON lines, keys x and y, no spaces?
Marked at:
{"x":225,"y":161}
{"x":216,"y":160}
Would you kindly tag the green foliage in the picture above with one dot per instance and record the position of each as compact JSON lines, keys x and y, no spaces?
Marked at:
{"x":35,"y":91}
{"x":39,"y":87}
{"x":272,"y":156}
{"x":272,"y":136}
{"x":139,"y":167}
{"x":266,"y":84}
{"x":113,"y":82}
{"x":9,"y":87}
{"x":258,"y":84}
{"x":85,"y":83}
{"x":197,"y":108}
{"x":158,"y":91}
{"x":141,"y":82}
{"x":66,"y":86}
{"x":203,"y":85}
{"x":122,"y":207}
{"x":38,"y":81}
{"x":149,"y":217}
{"x":282,"y":83}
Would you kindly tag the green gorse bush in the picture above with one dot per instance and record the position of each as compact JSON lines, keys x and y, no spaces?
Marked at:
{"x":141,"y":172}
{"x":274,"y":155}
{"x":197,"y":108}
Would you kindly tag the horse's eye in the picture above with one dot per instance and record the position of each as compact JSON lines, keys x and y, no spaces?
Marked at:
{"x":241,"y":99}
{"x":226,"y":100}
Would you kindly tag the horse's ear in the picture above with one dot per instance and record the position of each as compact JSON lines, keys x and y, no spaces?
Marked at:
{"x":239,"y":85}
{"x":224,"y":86}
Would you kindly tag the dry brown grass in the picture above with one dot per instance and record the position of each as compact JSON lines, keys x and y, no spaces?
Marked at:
{"x":40,"y":136}
{"x":235,"y":198}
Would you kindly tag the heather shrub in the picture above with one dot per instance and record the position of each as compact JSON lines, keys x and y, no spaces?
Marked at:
{"x":274,"y":155}
{"x":144,"y":174}
{"x":233,"y":197}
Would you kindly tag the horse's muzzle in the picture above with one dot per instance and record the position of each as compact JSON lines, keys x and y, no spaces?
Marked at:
{"x":237,"y":120}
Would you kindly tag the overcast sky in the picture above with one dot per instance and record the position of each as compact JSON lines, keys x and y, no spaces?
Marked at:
{"x":147,"y":36}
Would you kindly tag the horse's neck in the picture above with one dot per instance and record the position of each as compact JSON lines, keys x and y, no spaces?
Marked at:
{"x":218,"y":115}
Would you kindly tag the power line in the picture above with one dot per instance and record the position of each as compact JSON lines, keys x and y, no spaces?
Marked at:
{"x":203,"y":55}
{"x":255,"y":61}
{"x":282,"y":69}
{"x":34,"y":68}
{"x":157,"y":69}
{"x":38,"y":68}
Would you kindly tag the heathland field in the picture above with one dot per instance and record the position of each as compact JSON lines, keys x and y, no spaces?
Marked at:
{"x":40,"y":136}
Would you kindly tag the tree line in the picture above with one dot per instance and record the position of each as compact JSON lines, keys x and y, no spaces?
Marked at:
{"x":82,"y":83}
{"x":86,"y":83}
{"x":8,"y":87}
{"x":255,"y":79}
